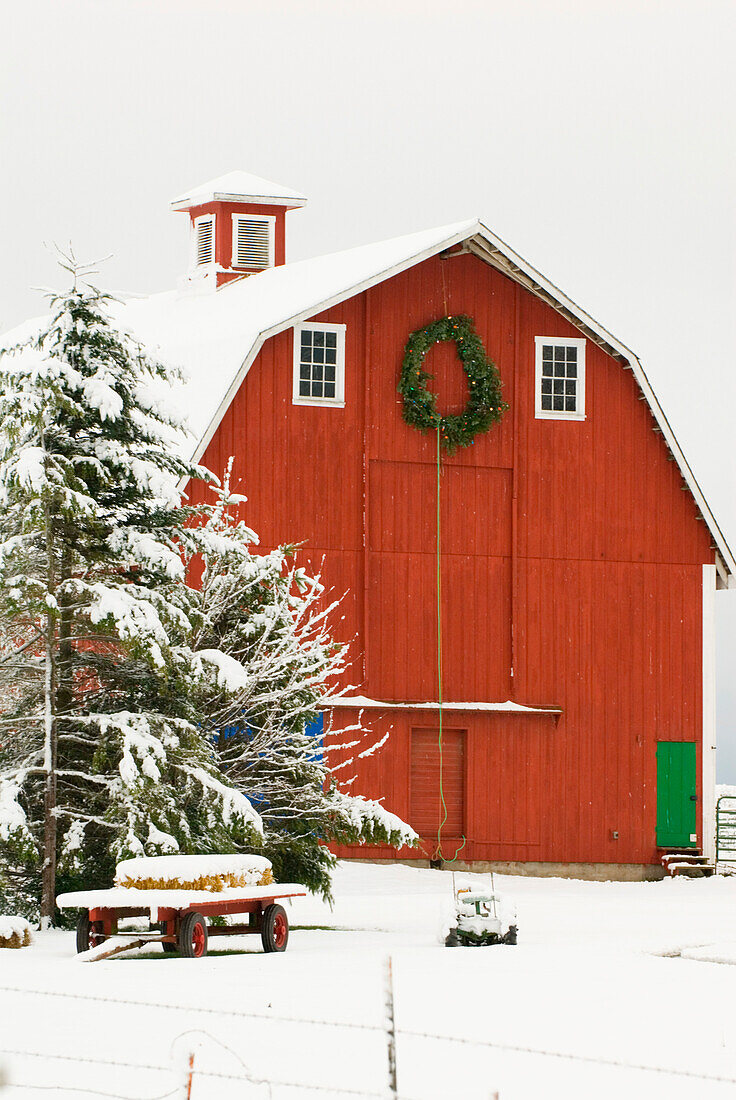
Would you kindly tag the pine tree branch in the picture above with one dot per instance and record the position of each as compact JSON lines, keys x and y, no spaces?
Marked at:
{"x":87,"y":776}
{"x":21,"y":649}
{"x":77,"y":815}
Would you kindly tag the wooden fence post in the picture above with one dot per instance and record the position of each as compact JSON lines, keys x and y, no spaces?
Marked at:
{"x":391,"y":1030}
{"x":190,"y":1075}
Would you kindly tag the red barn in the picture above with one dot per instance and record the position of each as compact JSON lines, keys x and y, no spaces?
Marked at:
{"x":572,"y":594}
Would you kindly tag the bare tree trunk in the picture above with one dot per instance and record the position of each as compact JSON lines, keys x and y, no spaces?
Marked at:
{"x":63,"y":667}
{"x":48,"y":871}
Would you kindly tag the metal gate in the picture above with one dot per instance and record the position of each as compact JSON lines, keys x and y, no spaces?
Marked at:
{"x":726,"y":829}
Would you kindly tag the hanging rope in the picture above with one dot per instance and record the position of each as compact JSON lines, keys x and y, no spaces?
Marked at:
{"x":443,"y":804}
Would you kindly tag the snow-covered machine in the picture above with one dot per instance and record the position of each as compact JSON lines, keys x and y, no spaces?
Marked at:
{"x":482,"y":917}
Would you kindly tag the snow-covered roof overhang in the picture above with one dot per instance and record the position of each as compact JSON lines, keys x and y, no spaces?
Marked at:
{"x":363,"y":702}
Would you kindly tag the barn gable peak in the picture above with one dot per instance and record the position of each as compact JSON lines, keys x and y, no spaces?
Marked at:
{"x":237,"y":227}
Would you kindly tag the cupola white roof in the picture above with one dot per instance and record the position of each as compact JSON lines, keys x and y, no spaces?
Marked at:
{"x":239,"y":187}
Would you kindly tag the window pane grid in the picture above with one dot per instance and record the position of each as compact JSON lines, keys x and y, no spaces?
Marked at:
{"x":318,"y":364}
{"x":559,"y":382}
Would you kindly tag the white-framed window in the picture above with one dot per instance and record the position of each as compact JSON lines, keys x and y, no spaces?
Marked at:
{"x":253,"y":240}
{"x":319,"y":364}
{"x":204,"y":240}
{"x":559,"y":379}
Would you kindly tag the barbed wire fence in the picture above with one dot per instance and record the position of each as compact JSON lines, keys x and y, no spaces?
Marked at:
{"x":389,"y":1028}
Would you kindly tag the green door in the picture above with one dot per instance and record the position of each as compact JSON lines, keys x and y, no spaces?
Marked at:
{"x":676,"y":798}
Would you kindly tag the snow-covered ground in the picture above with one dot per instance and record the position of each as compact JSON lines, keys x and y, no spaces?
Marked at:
{"x":606,"y":977}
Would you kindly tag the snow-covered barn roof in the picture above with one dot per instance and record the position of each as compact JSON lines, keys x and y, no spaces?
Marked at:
{"x":215,"y":337}
{"x":239,"y":187}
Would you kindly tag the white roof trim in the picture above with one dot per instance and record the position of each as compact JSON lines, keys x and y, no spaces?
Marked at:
{"x":497,"y":253}
{"x":239,"y":187}
{"x":224,"y":196}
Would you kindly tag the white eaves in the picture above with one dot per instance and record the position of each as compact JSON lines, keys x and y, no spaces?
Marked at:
{"x":239,"y":187}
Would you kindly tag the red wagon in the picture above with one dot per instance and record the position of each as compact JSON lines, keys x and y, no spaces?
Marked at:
{"x":178,"y":918}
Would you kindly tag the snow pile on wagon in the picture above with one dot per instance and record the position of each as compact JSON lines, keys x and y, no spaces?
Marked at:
{"x":181,"y":882}
{"x":211,"y":872}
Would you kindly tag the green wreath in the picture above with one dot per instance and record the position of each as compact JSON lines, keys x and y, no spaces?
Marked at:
{"x":485,"y":405}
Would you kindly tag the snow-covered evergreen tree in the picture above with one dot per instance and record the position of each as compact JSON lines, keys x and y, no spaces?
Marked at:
{"x":139,"y":712}
{"x":101,"y":751}
{"x":264,"y":632}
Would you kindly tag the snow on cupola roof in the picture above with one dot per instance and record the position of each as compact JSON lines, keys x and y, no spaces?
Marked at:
{"x":239,"y":187}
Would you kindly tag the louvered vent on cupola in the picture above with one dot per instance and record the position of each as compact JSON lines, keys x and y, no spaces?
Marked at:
{"x":204,"y":240}
{"x":253,"y":241}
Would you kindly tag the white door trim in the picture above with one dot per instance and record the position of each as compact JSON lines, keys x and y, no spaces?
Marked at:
{"x":709,"y":711}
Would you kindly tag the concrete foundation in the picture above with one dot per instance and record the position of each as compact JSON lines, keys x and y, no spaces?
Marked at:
{"x":590,"y":872}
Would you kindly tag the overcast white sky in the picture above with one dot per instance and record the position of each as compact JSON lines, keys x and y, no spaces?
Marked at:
{"x":598,"y":137}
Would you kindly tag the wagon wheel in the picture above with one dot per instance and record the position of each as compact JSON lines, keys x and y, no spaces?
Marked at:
{"x":274,"y":928}
{"x":192,"y":938}
{"x":88,"y":933}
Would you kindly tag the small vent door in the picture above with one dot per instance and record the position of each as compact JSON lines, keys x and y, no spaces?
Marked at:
{"x":426,"y":810}
{"x":204,"y":229}
{"x":252,"y":241}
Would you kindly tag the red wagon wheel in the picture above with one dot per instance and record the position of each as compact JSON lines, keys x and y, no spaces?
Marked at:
{"x":274,"y":928}
{"x":89,"y":933}
{"x":192,"y":939}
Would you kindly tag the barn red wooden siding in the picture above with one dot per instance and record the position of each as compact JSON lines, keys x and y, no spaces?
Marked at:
{"x":571,"y":566}
{"x":223,"y":243}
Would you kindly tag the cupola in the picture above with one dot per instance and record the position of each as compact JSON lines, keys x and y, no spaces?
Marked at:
{"x":238,"y":226}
